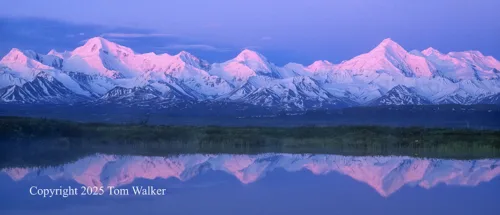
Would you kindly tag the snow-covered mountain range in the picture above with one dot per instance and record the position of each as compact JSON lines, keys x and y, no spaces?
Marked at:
{"x":101,"y":71}
{"x":384,"y":174}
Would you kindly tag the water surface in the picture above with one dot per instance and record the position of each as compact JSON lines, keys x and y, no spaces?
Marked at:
{"x":260,"y":184}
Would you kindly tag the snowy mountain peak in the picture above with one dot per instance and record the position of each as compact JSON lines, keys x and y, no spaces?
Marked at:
{"x":186,"y":56}
{"x":94,"y":45}
{"x":52,"y":52}
{"x":388,"y":58}
{"x":320,"y":65}
{"x":388,"y":42}
{"x":23,"y":61}
{"x":249,"y":63}
{"x":389,"y":45}
{"x":431,"y":51}
{"x":14,"y":55}
{"x":185,"y":53}
{"x":249,"y":55}
{"x":483,"y":66}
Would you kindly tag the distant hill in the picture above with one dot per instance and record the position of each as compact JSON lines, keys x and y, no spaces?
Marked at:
{"x":472,"y":116}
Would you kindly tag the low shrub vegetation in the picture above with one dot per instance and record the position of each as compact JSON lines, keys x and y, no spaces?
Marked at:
{"x":38,"y":139}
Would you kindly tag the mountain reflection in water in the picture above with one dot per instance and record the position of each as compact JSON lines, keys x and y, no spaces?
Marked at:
{"x":314,"y":175}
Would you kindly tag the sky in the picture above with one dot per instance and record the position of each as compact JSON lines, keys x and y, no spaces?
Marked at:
{"x":284,"y":31}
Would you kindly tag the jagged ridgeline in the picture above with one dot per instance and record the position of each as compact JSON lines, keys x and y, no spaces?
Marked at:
{"x":103,"y":72}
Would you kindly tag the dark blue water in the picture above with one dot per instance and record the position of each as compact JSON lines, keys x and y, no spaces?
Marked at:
{"x":258,"y":184}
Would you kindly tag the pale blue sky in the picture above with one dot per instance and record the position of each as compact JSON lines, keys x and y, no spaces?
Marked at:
{"x":293,"y":30}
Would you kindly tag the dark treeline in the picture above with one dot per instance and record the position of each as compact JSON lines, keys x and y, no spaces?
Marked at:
{"x":30,"y":140}
{"x":450,"y":116}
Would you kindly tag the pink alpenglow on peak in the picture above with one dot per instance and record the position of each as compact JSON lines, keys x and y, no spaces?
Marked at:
{"x":388,"y":48}
{"x":257,"y":63}
{"x":321,"y":65}
{"x":14,"y":55}
{"x":431,"y":51}
{"x":465,"y":65}
{"x":249,"y":55}
{"x":389,"y":44}
{"x":192,"y":60}
{"x":99,"y":56}
{"x":477,"y":58}
{"x":246,"y":64}
{"x":22,"y":61}
{"x":390,"y":58}
{"x":92,"y":45}
{"x":96,"y":44}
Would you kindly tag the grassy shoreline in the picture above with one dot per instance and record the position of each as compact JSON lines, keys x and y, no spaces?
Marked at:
{"x":38,"y":139}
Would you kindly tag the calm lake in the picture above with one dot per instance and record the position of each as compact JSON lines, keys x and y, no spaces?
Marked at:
{"x":255,"y":184}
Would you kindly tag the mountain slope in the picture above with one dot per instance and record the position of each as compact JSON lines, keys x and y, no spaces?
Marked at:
{"x":493,"y":99}
{"x":290,"y":93}
{"x":143,"y":96}
{"x":42,"y":89}
{"x":401,"y":95}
